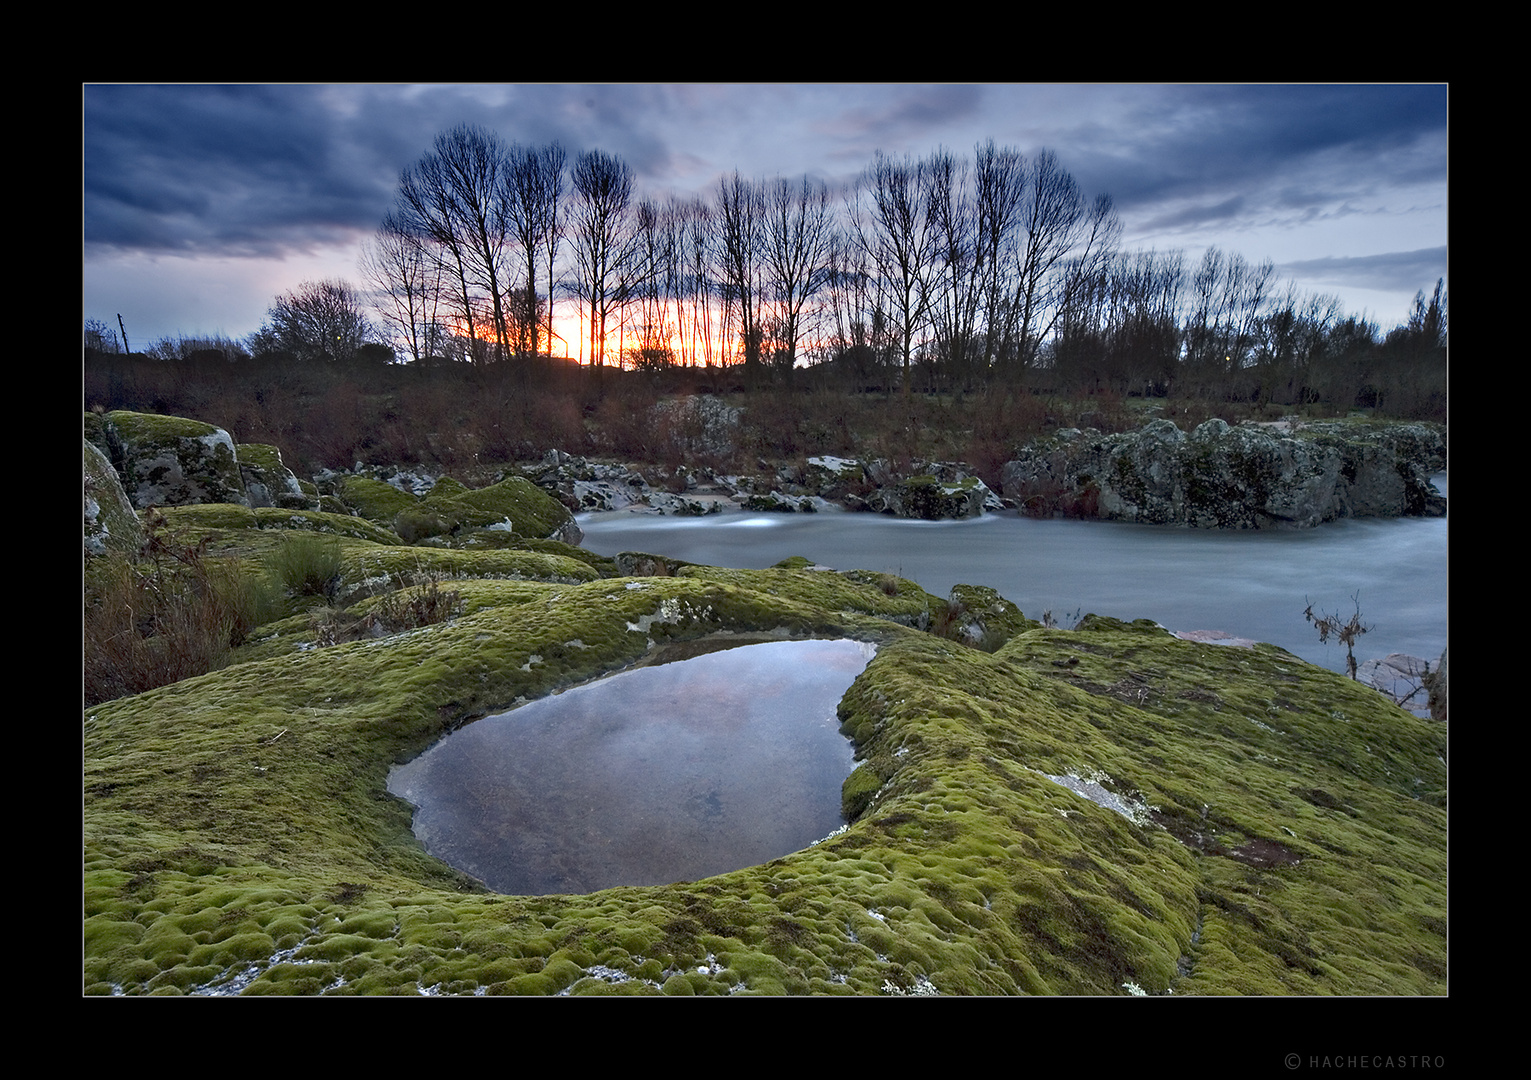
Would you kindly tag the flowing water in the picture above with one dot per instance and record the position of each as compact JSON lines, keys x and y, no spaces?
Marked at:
{"x":657,"y":774}
{"x":1251,"y":583}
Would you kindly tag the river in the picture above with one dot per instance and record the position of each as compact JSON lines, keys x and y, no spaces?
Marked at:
{"x":1251,"y":583}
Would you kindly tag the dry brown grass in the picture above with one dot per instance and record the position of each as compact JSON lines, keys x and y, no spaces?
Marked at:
{"x":166,"y":615}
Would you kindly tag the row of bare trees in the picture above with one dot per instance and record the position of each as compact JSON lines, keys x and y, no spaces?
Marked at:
{"x":941,"y":272}
{"x":1228,"y":330}
{"x":454,"y":266}
{"x":965,"y":267}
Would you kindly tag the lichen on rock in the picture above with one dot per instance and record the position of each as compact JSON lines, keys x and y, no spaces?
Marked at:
{"x":172,"y":461}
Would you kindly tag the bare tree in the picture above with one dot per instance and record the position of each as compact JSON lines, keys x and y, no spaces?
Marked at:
{"x":1145,"y":327}
{"x":1292,"y":337}
{"x":601,"y":227}
{"x":1061,"y":242}
{"x":1000,"y":190}
{"x":454,"y":196}
{"x":655,"y":281}
{"x":425,"y":209}
{"x":1347,"y":632}
{"x":697,"y":242}
{"x":892,"y":223}
{"x":740,"y":261}
{"x":1228,"y":295}
{"x":799,"y":222}
{"x":957,"y":284}
{"x":406,"y":284}
{"x":533,"y":187}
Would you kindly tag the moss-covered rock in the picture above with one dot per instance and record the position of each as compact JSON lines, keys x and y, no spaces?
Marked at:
{"x":375,"y":500}
{"x":268,"y":482}
{"x":1072,"y":813}
{"x":979,"y":616}
{"x":1219,"y":476}
{"x":524,"y":508}
{"x":172,"y":461}
{"x":221,"y":517}
{"x":110,"y":522}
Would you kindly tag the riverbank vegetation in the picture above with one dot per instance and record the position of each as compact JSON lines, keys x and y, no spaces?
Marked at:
{"x":949,"y":306}
{"x":466,"y":420}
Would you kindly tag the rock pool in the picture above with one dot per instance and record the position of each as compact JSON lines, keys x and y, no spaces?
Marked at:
{"x":657,"y":774}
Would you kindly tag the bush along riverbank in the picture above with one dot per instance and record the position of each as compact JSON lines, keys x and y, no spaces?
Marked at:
{"x":1103,"y":810}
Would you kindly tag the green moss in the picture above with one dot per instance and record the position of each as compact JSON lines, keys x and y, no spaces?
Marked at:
{"x":260,"y":455}
{"x":447,"y":488}
{"x":1291,"y":837}
{"x":375,"y":500}
{"x":152,"y":427}
{"x":529,"y":510}
{"x":857,"y":791}
{"x":223,"y":516}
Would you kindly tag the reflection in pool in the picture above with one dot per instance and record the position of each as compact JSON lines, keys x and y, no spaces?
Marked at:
{"x":654,"y":775}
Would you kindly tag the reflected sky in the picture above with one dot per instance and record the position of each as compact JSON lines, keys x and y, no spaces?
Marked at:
{"x":653,"y":775}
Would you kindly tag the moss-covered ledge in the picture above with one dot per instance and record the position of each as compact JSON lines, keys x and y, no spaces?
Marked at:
{"x":1290,"y":835}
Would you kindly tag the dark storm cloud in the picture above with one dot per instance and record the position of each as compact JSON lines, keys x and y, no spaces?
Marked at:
{"x":293,"y":178}
{"x":245,"y":169}
{"x":1183,"y":145}
{"x":268,"y":170}
{"x":1394,"y":270}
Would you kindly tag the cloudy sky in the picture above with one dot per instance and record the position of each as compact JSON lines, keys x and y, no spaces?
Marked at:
{"x":201,"y":203}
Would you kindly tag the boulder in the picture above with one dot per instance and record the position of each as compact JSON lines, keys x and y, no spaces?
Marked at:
{"x":587,"y":485}
{"x":1245,"y":477}
{"x":778,"y":501}
{"x":925,"y":490}
{"x":680,"y":506}
{"x":524,"y":508}
{"x":110,"y":523}
{"x":268,"y":482}
{"x":1402,"y":678}
{"x":172,"y":461}
{"x":979,"y":616}
{"x":929,"y":498}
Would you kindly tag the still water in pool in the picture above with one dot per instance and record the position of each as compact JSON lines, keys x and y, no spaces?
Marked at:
{"x":657,"y":774}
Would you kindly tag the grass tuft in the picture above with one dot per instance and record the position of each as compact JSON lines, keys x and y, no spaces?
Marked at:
{"x":308,"y":564}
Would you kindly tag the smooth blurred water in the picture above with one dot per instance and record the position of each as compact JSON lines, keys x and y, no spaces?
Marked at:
{"x":1250,"y":583}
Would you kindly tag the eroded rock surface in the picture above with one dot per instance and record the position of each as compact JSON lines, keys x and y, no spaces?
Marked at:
{"x":1242,"y":477}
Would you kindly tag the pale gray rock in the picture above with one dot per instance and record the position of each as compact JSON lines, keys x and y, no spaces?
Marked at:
{"x":1246,"y":477}
{"x":587,"y":485}
{"x":172,"y":461}
{"x":269,"y":482}
{"x":1403,"y":678}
